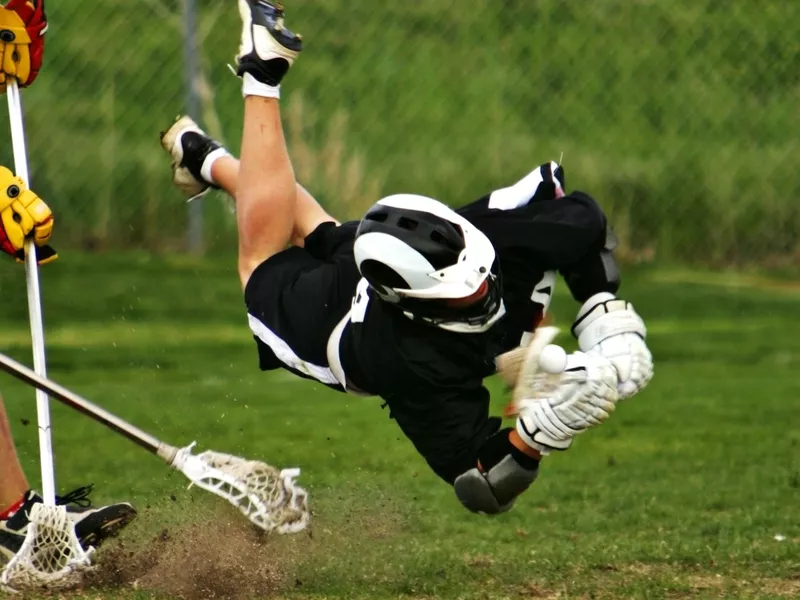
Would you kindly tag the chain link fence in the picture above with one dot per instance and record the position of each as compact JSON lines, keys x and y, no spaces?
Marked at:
{"x":680,"y":116}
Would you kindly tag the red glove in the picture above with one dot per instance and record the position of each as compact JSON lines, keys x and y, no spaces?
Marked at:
{"x":23,"y":24}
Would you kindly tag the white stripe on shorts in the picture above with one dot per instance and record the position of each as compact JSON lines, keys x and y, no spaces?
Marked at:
{"x":287,"y":356}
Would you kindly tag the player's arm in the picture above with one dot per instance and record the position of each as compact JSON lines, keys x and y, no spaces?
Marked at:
{"x":490,"y":467}
{"x":607,"y":325}
{"x":535,"y":221}
{"x":487,"y":466}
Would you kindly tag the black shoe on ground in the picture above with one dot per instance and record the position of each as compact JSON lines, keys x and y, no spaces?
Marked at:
{"x":93,"y":525}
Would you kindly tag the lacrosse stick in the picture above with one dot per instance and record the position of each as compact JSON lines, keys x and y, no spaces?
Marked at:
{"x":34,"y":300}
{"x":268,"y":497}
{"x":50,"y":555}
{"x":520,"y":369}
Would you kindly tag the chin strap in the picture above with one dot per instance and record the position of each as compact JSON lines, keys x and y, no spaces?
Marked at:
{"x":462,"y":326}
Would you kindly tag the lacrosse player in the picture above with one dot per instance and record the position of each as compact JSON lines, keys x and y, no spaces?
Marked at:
{"x":415,"y":302}
{"x":23,"y":214}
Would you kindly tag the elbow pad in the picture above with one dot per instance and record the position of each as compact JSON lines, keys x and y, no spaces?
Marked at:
{"x":494,"y":490}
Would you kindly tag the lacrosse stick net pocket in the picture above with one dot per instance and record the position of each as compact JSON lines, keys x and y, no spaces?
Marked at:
{"x":531,"y":382}
{"x":267,"y":496}
{"x":51,"y":556}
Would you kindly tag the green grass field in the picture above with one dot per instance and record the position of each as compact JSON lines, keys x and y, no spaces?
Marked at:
{"x":680,"y":495}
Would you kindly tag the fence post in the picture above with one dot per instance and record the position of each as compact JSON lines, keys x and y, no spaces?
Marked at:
{"x":195,"y":231}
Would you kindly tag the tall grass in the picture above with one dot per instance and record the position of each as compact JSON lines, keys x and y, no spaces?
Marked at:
{"x":681,"y":117}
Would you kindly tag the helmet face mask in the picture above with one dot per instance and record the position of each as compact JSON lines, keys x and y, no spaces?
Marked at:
{"x":477,"y":316}
{"x":416,"y":253}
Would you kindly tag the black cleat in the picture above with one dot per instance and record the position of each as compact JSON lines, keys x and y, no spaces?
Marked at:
{"x":93,"y":525}
{"x":267,"y":48}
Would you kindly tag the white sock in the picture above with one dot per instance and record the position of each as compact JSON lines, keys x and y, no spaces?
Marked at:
{"x":252,"y":87}
{"x":205,"y":170}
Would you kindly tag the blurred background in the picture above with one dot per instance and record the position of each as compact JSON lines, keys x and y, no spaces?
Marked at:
{"x":680,"y":117}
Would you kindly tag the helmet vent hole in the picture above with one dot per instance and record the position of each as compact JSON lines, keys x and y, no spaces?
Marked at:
{"x":380,"y":274}
{"x":380,"y":217}
{"x":442,"y":239}
{"x":406,"y":223}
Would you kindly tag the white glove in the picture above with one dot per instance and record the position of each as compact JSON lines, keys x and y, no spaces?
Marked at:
{"x":610,"y":327}
{"x":564,"y":405}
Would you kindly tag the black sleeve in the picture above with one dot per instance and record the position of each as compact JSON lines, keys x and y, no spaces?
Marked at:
{"x":447,"y":429}
{"x":552,"y":234}
{"x":329,"y":240}
{"x":567,"y":234}
{"x":596,"y":272}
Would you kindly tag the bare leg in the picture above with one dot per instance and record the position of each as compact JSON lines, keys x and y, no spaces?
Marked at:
{"x":13,"y":483}
{"x":266,"y":191}
{"x":308,"y":213}
{"x":225,"y":173}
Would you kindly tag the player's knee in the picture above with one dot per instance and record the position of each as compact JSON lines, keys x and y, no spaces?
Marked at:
{"x":494,"y":490}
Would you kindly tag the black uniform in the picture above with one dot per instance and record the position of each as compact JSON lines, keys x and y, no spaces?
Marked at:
{"x":431,"y":379}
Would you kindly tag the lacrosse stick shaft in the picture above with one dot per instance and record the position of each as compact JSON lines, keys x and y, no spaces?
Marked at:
{"x":137,"y":436}
{"x":530,"y":364}
{"x":34,"y":300}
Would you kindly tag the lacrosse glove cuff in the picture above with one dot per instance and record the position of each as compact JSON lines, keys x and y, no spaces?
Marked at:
{"x":610,"y":327}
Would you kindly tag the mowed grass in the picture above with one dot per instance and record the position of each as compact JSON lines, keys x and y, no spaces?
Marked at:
{"x":691,"y":490}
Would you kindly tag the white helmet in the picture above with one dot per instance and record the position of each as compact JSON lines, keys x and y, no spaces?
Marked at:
{"x":415,"y":252}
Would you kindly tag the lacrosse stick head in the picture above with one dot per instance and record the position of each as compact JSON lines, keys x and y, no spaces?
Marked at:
{"x":51,"y":556}
{"x":267,"y":496}
{"x":521,"y":366}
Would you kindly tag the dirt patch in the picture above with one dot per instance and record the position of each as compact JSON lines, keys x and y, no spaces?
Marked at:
{"x":224,"y":559}
{"x":783,"y":588}
{"x":216,"y":554}
{"x":535,"y":591}
{"x":673,"y":582}
{"x":708,"y":584}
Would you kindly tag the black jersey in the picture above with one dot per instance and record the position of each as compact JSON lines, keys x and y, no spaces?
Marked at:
{"x":313,"y":314}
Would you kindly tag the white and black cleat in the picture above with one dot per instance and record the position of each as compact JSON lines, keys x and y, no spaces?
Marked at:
{"x":189,"y":147}
{"x":267,"y":48}
{"x":93,"y":525}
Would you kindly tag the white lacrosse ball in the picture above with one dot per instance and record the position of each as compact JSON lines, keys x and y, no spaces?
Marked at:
{"x":553,"y":359}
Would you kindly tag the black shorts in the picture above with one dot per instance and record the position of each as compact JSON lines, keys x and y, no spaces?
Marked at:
{"x":296,"y":298}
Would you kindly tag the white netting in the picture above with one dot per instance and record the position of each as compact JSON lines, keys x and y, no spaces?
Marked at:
{"x":531,"y":381}
{"x":267,"y":496}
{"x":50,"y":557}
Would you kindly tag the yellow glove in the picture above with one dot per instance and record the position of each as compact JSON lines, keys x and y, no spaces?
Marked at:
{"x":23,"y":214}
{"x":23,"y":24}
